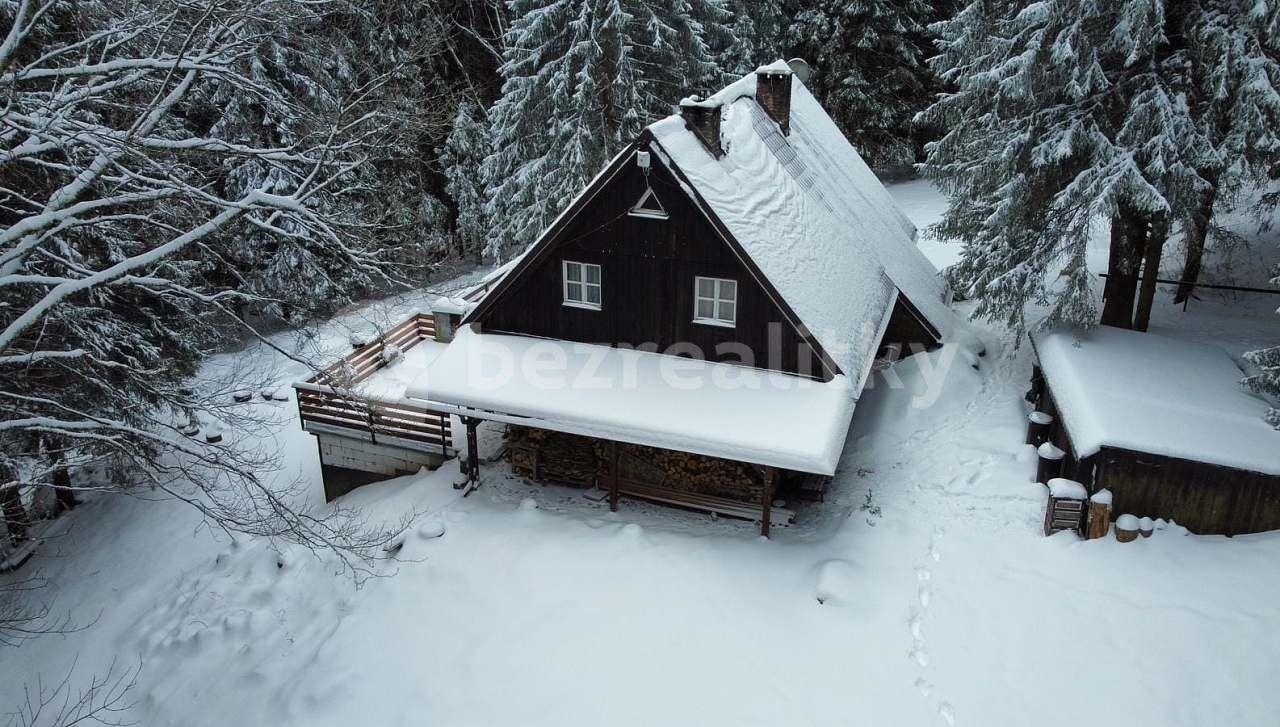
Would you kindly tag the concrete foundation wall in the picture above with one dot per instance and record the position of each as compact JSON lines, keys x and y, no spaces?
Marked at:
{"x":367,"y":461}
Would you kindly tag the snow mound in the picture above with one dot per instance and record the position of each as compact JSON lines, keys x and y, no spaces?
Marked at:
{"x":1049,"y":451}
{"x":431,"y":529}
{"x":836,"y":582}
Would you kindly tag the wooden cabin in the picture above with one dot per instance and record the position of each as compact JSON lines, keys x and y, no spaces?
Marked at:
{"x":696,"y":327}
{"x":1161,"y":423}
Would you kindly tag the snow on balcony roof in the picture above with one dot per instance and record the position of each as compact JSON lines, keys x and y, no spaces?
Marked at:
{"x":652,"y":399}
{"x":811,"y":214}
{"x":1149,"y":393}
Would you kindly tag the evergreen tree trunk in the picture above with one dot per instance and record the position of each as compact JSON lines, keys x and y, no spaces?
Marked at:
{"x":1154,"y":248}
{"x":62,"y":488}
{"x":1113,"y":312}
{"x":1128,"y":238}
{"x":1197,"y":232}
{"x":14,"y":514}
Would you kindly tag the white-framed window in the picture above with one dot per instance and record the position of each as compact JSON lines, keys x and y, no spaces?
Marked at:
{"x":581,"y":285}
{"x":715,"y":301}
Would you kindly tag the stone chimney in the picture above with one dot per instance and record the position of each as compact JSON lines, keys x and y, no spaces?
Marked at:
{"x":773,"y":93}
{"x":703,"y":117}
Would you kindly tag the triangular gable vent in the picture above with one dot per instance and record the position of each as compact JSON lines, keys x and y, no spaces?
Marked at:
{"x":649,"y":206}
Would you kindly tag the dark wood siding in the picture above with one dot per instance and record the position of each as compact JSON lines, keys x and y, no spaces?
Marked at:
{"x":648,"y":268}
{"x":1204,"y":498}
{"x":908,"y":329}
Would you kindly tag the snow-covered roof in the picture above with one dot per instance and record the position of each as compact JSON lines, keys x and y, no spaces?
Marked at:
{"x":1149,"y":393}
{"x":446,"y":304}
{"x":811,"y":214}
{"x":643,"y":398}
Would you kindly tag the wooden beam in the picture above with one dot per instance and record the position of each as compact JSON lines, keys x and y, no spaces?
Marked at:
{"x":473,"y":451}
{"x":768,"y":476}
{"x":614,"y":477}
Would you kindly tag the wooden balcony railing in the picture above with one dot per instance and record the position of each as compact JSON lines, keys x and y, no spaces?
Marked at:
{"x":326,"y":402}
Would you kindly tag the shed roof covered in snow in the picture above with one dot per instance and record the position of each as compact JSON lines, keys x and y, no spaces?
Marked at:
{"x":1148,"y":393}
{"x":811,"y":214}
{"x":643,"y":398}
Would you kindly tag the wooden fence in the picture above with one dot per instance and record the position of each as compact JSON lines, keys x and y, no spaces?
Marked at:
{"x":327,"y":404}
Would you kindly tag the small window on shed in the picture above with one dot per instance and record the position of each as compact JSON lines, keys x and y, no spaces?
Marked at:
{"x":715,"y":301}
{"x":581,"y":285}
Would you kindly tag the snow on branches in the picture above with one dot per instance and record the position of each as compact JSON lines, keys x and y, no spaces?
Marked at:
{"x":122,"y":219}
{"x":869,"y":70}
{"x":1065,"y":111}
{"x":1266,"y":379}
{"x":580,"y":80}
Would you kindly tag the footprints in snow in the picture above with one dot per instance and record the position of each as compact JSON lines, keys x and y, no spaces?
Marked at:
{"x":919,"y":652}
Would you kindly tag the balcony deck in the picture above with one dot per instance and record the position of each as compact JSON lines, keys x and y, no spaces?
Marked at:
{"x":361,"y":396}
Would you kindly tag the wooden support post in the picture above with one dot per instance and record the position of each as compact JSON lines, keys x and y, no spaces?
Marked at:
{"x":473,"y":450}
{"x":613,"y":477}
{"x":768,"y":476}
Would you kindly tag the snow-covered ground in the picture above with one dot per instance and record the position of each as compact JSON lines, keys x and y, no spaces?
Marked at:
{"x":920,"y":593}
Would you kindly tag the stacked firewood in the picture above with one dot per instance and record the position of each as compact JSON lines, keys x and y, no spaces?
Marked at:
{"x":680,"y":471}
{"x":546,"y":456}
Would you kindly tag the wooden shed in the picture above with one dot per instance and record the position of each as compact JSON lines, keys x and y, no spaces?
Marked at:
{"x":1163,"y":424}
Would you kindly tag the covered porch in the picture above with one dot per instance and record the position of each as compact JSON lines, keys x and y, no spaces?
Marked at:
{"x":632,"y":413}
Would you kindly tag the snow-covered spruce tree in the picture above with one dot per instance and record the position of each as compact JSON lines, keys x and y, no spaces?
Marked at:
{"x":305,"y":66}
{"x":581,"y":78}
{"x":1266,"y":380}
{"x":759,"y":35}
{"x":117,"y":227}
{"x":1233,"y":62}
{"x":1068,"y":111}
{"x":870,"y":71}
{"x":463,"y":153}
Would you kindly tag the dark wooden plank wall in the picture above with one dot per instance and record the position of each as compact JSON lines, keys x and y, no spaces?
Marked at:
{"x":647,"y":272}
{"x":906,"y":329}
{"x":1204,"y":498}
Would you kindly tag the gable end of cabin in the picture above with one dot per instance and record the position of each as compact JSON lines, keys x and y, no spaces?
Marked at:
{"x":636,"y":261}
